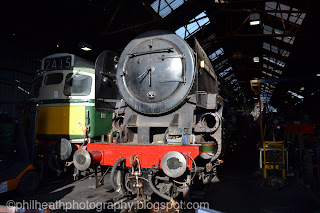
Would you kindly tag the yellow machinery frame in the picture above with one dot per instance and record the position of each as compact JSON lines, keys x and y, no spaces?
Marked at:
{"x":269,"y":162}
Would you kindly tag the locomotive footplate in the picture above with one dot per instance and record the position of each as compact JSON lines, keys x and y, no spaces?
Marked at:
{"x":149,"y":155}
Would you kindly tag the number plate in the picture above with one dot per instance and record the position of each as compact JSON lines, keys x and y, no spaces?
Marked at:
{"x":60,"y":63}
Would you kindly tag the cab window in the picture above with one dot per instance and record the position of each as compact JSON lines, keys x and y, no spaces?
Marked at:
{"x":76,"y":84}
{"x":53,"y":78}
{"x":36,"y":84}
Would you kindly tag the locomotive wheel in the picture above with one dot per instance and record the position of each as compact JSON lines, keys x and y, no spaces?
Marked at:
{"x":29,"y":183}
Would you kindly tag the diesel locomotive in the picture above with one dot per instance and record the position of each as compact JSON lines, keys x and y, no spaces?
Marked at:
{"x":169,"y":122}
{"x":65,"y":91}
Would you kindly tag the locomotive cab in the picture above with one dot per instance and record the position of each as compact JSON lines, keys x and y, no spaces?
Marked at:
{"x":63,"y":92}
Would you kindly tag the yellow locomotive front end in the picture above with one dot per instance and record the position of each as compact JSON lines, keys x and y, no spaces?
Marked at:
{"x":66,"y":115}
{"x":62,"y":114}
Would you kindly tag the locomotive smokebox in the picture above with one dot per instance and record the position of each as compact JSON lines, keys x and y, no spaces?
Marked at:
{"x":156,"y":72}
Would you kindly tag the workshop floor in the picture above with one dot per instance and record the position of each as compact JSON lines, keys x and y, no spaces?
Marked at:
{"x":239,"y":190}
{"x":63,"y":192}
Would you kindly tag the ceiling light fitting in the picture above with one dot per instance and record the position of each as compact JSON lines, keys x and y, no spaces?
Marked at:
{"x":256,"y":59}
{"x":84,"y":46}
{"x":255,"y":19}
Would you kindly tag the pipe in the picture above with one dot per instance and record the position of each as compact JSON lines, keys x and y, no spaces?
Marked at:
{"x":155,"y":190}
{"x":113,"y":170}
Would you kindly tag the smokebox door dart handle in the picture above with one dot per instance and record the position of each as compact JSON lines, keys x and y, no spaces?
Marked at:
{"x":149,"y":71}
{"x":143,"y":73}
{"x":183,"y":56}
{"x":165,"y":50}
{"x":150,"y":77}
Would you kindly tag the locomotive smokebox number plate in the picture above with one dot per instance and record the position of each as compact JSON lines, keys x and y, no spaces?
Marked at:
{"x":154,"y":69}
{"x":151,"y":94}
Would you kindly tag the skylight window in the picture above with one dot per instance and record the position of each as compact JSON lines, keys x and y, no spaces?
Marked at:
{"x":269,"y":74}
{"x":220,"y":65}
{"x":225,"y":72}
{"x":271,"y":109}
{"x":274,"y":61}
{"x":229,"y":77}
{"x":194,"y":26}
{"x":236,"y":88}
{"x":295,"y":95}
{"x":266,"y":88}
{"x":272,"y":69}
{"x":275,"y":49}
{"x":270,"y":30}
{"x":295,"y":18}
{"x":216,"y":54}
{"x":233,"y":81}
{"x":166,"y":6}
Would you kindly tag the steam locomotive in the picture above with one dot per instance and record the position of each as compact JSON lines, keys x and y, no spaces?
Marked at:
{"x":169,"y":117}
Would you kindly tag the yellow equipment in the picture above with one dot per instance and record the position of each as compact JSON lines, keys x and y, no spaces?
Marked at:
{"x":274,"y":152}
{"x":274,"y":158}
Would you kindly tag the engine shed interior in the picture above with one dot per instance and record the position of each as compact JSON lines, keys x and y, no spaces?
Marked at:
{"x":262,"y":56}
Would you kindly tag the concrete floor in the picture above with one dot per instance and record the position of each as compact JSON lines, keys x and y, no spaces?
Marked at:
{"x":239,"y":190}
{"x":242,"y":190}
{"x":63,"y":191}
